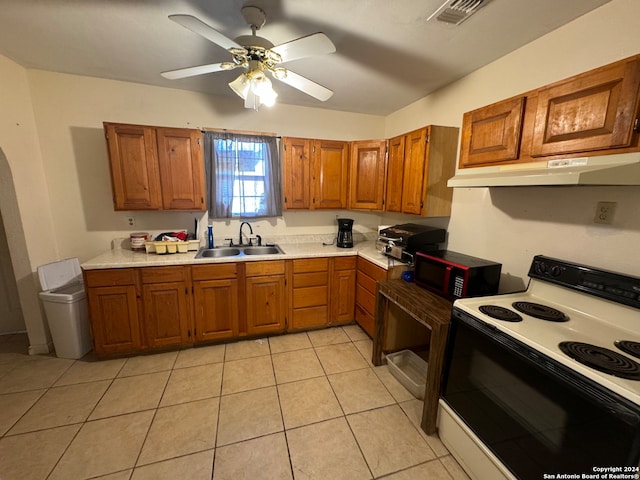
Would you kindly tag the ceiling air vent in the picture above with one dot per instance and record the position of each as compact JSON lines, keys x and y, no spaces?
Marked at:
{"x":457,"y":11}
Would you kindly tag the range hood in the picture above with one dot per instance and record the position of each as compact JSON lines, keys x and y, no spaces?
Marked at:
{"x":619,"y":169}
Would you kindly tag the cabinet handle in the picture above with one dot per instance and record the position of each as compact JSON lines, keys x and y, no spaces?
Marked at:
{"x":636,"y":125}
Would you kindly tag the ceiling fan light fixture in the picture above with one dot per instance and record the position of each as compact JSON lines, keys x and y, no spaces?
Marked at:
{"x":256,"y":83}
{"x":241,"y":85}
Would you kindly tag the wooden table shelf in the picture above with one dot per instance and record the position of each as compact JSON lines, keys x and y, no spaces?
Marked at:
{"x":427,"y":309}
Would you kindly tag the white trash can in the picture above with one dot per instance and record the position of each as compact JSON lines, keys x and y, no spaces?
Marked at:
{"x":65,"y":305}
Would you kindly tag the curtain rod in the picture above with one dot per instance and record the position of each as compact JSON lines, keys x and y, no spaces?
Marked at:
{"x":240,"y":132}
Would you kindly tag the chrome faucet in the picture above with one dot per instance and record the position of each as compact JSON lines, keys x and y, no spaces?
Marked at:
{"x":250,"y":232}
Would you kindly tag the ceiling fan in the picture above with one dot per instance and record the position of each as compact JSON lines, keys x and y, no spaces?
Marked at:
{"x":257,"y":56}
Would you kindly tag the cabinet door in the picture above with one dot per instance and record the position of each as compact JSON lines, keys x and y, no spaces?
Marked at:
{"x":395,"y":175}
{"x":330,"y":174}
{"x":297,"y":174}
{"x":114,"y":319}
{"x":367,"y":179}
{"x":492,"y":134}
{"x":592,"y":111}
{"x":166,"y":314}
{"x":216,"y":309}
{"x":343,"y":296}
{"x":265,"y":304}
{"x":414,"y":171}
{"x":133,"y":162}
{"x":181,"y":168}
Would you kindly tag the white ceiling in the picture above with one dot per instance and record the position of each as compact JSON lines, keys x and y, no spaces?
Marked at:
{"x":387,"y":55}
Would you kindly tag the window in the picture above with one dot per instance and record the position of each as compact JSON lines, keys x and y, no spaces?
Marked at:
{"x":243,"y":175}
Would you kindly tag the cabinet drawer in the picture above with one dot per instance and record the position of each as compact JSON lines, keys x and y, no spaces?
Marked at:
{"x":310,"y":265}
{"x":254,"y":269}
{"x":162,"y":274}
{"x":366,"y":300}
{"x":366,"y":282}
{"x":110,"y":278}
{"x":365,"y":320}
{"x":375,"y":272}
{"x":309,"y":317}
{"x":214,"y":272}
{"x":301,"y":280}
{"x":310,"y":297}
{"x":344,"y":263}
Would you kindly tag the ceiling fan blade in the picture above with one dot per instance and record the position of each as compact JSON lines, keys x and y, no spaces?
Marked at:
{"x":311,"y":45}
{"x":198,"y":26}
{"x":199,"y":70}
{"x":307,"y":86}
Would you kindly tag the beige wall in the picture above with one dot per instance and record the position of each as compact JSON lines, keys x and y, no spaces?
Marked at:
{"x":510,"y":225}
{"x":69,"y":112}
{"x":24,"y":199}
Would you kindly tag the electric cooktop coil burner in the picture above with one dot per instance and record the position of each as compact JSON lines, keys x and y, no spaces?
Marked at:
{"x":602,"y":359}
{"x":628,"y":346}
{"x":500,"y":313}
{"x":543,"y":312}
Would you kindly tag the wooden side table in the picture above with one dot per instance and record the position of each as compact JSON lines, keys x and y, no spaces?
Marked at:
{"x":431,"y":311}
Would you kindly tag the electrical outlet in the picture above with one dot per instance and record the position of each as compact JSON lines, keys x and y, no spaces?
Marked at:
{"x":131,"y":221}
{"x":604,"y":212}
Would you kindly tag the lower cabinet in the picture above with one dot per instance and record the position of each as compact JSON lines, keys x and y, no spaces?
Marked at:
{"x":367,"y":276}
{"x":113,"y":308}
{"x":165,"y":305}
{"x":215,"y":301}
{"x":322,"y":292}
{"x":310,"y":293}
{"x":265,"y":296}
{"x":343,"y":290}
{"x":134,"y":309}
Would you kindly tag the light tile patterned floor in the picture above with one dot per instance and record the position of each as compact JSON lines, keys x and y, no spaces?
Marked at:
{"x":300,"y":406}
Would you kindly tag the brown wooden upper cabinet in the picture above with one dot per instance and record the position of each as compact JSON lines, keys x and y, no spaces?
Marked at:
{"x":155,"y":168}
{"x":367,"y":176}
{"x":395,"y":174}
{"x":420,"y":163}
{"x":595,"y":111}
{"x":592,"y":111}
{"x":315,"y":173}
{"x":492,"y":134}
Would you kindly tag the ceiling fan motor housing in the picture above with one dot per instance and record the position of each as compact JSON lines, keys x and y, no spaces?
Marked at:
{"x":254,"y":16}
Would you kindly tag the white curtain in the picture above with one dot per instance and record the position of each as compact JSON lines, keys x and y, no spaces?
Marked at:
{"x":243,"y":175}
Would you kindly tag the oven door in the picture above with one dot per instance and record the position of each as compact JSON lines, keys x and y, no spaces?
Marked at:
{"x":537,"y":416}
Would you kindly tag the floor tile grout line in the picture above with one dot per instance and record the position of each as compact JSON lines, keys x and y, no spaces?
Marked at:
{"x":355,"y":439}
{"x":284,"y":429}
{"x":155,"y":412}
{"x":8,"y":431}
{"x":215,"y":439}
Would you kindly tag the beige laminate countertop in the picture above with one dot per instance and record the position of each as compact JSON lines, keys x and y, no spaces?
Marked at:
{"x":123,"y":258}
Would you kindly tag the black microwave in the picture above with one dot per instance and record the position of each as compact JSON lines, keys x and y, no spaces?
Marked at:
{"x":455,"y":275}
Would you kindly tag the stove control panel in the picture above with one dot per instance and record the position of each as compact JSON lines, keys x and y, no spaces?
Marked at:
{"x":602,"y":283}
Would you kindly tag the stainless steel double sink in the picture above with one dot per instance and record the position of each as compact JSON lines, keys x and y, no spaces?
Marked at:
{"x":238,"y":251}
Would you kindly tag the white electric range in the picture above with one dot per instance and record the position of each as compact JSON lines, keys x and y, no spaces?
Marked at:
{"x":547,"y":380}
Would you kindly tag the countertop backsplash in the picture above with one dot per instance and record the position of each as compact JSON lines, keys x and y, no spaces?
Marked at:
{"x":124,"y":242}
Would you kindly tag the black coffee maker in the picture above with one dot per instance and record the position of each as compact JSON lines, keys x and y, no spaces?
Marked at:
{"x":345,"y":235}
